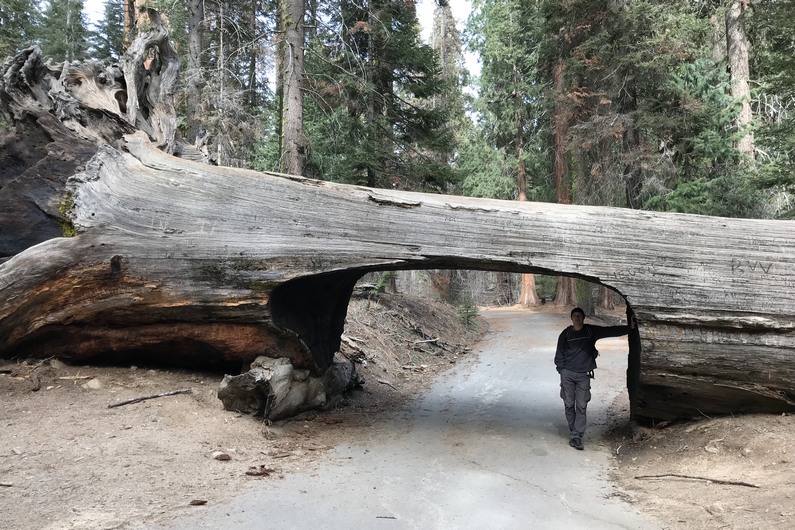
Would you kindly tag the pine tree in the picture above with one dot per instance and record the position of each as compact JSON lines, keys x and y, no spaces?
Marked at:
{"x":368,"y":74}
{"x":773,"y":71}
{"x":108,"y":36}
{"x":64,"y":30}
{"x":18,"y":19}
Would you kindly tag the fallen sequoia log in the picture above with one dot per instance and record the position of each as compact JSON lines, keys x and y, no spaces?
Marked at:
{"x":182,"y":261}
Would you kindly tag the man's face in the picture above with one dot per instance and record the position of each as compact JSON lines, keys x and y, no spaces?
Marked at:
{"x":577,"y":319}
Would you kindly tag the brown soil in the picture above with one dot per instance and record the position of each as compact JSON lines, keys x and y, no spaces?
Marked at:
{"x":68,"y":461}
{"x":729,"y":472}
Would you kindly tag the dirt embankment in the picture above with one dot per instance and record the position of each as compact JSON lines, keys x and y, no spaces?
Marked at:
{"x":729,"y":472}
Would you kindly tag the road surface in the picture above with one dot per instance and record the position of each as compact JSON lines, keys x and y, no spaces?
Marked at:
{"x":485,"y":448}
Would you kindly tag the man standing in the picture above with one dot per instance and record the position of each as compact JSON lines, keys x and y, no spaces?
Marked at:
{"x":575,"y":360}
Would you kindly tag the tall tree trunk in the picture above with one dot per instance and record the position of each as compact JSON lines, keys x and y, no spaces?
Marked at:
{"x":193,"y":83}
{"x":605,"y":298}
{"x":567,"y":292}
{"x":527,"y":295}
{"x":280,"y":46}
{"x":560,"y":133}
{"x":737,"y":49}
{"x":718,"y":23}
{"x":253,"y":98}
{"x":630,"y":142}
{"x":380,"y":96}
{"x":293,"y":141}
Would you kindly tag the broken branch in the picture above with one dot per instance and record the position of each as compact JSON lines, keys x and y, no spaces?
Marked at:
{"x":153,"y":396}
{"x":387,"y":383}
{"x":713,"y":480}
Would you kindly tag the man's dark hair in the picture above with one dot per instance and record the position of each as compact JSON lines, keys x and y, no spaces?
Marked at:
{"x":577,"y":310}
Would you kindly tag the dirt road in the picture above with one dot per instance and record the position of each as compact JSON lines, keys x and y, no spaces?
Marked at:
{"x":486,"y":447}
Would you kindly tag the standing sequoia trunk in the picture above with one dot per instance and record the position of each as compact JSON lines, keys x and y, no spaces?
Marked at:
{"x":184,"y":262}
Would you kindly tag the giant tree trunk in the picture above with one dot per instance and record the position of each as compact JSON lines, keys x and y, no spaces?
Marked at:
{"x":181,"y":261}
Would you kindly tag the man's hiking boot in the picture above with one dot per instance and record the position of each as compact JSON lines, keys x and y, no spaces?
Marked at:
{"x":576,"y":443}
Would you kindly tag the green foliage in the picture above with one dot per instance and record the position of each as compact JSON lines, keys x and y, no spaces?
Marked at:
{"x":773,"y":70}
{"x":725,"y":196}
{"x":108,"y":36}
{"x":64,"y":30}
{"x":18,"y":20}
{"x":509,"y":130}
{"x":385,"y":279}
{"x":546,"y":286}
{"x":367,"y":117}
{"x":489,"y":172}
{"x":66,"y":223}
{"x":702,"y":132}
{"x":468,"y":312}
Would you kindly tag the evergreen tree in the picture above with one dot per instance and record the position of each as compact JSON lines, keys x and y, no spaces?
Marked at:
{"x":18,"y":19}
{"x":368,"y":74}
{"x":773,"y":71}
{"x":108,"y":36}
{"x":510,"y":104}
{"x":64,"y":30}
{"x":651,"y":122}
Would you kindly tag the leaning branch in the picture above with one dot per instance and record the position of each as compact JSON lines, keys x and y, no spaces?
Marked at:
{"x":153,"y":396}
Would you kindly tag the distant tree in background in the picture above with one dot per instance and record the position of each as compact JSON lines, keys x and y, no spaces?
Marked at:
{"x":18,"y":23}
{"x":107,"y":38}
{"x":64,"y":32}
{"x":367,"y":76}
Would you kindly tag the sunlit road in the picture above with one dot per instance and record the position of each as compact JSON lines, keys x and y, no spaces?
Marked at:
{"x":486,"y":447}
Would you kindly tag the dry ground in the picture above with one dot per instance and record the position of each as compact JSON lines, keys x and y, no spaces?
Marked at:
{"x":68,"y":461}
{"x":728,"y":472}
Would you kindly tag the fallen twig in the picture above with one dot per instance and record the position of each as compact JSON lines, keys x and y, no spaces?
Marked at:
{"x":153,"y":396}
{"x":713,"y":480}
{"x":387,"y":383}
{"x":75,"y":377}
{"x":6,"y":484}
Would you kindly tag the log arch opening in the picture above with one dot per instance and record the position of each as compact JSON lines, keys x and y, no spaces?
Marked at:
{"x":314,"y":308}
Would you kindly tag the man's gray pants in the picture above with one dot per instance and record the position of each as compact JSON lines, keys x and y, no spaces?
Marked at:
{"x":575,"y":390}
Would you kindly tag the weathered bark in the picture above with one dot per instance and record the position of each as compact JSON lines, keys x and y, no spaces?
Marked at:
{"x":181,"y":261}
{"x":151,"y":69}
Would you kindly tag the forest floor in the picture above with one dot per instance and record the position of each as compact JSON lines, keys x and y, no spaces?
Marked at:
{"x":69,"y":461}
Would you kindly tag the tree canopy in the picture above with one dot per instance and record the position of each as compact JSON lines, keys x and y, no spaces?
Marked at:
{"x":629,"y":103}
